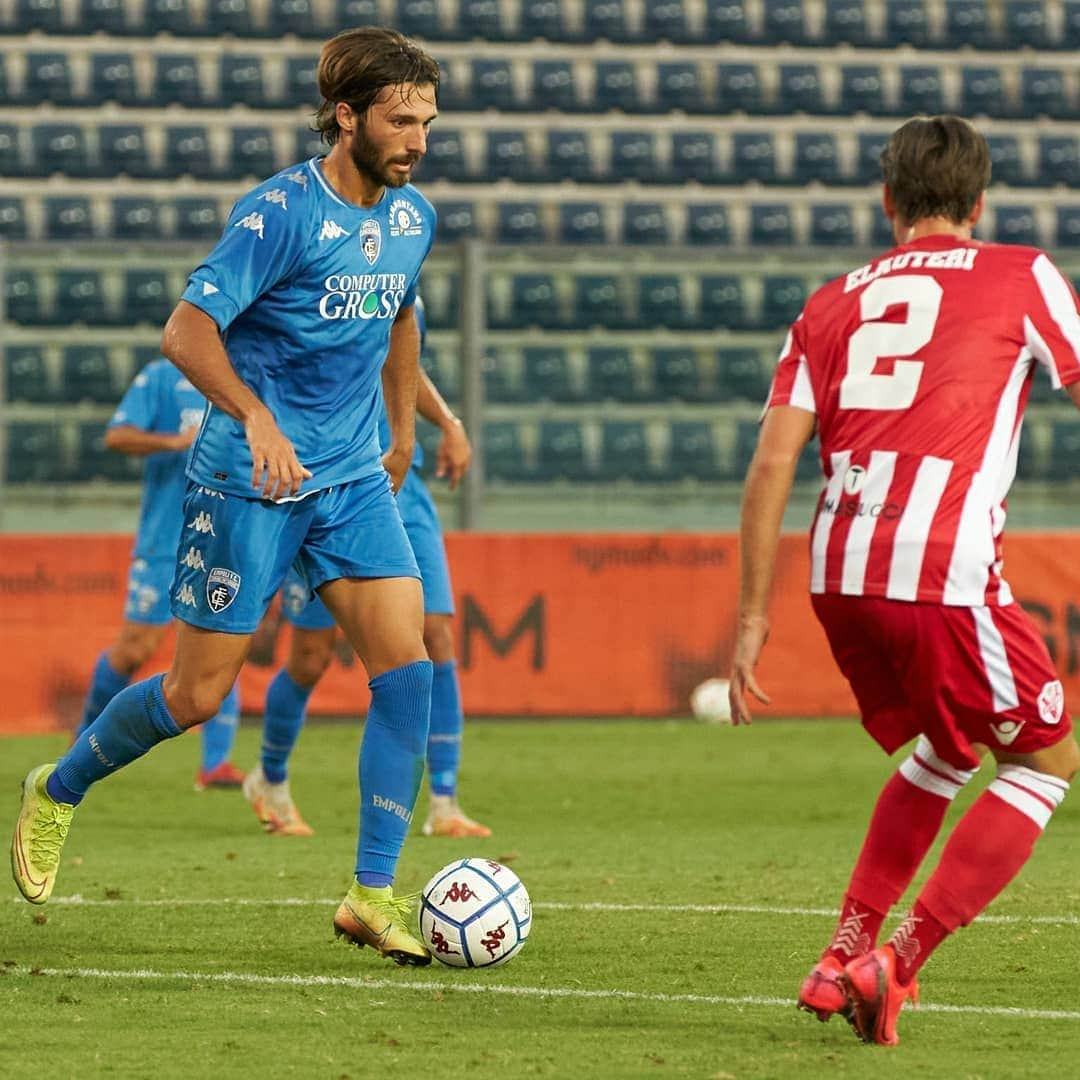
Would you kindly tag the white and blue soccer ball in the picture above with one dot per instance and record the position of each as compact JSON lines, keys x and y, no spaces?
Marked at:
{"x":475,"y":913}
{"x":709,"y":701}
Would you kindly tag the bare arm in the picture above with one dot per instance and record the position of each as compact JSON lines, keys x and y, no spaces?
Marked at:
{"x":192,"y":342}
{"x":400,"y":382}
{"x":784,"y":433}
{"x":455,"y":451}
{"x":128,"y":439}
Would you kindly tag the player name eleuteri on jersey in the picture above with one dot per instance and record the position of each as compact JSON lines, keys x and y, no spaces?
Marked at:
{"x":918,"y":377}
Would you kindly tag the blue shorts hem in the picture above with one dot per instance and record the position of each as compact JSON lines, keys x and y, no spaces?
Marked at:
{"x":386,"y":570}
{"x":192,"y":618}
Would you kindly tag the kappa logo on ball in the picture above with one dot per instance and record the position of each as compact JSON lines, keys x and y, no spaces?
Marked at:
{"x":1051,"y":702}
{"x":370,"y":240}
{"x":221,"y":588}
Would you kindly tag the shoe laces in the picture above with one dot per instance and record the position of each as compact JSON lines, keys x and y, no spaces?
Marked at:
{"x":398,"y":909}
{"x":49,"y":831}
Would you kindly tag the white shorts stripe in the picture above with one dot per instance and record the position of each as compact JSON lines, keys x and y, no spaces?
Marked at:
{"x":913,"y":530}
{"x":995,"y":660}
{"x":819,"y":545}
{"x":874,"y":493}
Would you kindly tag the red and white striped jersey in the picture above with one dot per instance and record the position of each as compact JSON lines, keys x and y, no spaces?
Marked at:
{"x":918,"y":367}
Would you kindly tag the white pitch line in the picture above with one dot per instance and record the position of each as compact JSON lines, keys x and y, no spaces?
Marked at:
{"x":434,"y":986}
{"x":597,"y":906}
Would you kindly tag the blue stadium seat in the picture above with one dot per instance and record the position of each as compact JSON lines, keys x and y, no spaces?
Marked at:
{"x":307,"y":144}
{"x":457,"y":220}
{"x":1025,"y":23}
{"x":1059,"y":160}
{"x":198,"y":218}
{"x":881,"y":234}
{"x":725,"y":21}
{"x":7,"y":92}
{"x":617,"y":86}
{"x":1007,"y":166}
{"x":1043,"y":93}
{"x":93,"y":462}
{"x":543,"y":19}
{"x":1071,"y":25}
{"x":582,"y":223}
{"x":600,"y":300}
{"x":26,"y":374}
{"x":33,"y":452}
{"x":680,"y":86}
{"x":707,"y":223}
{"x":445,"y":157}
{"x":569,"y":156}
{"x":481,"y":20}
{"x":722,"y":305}
{"x":176,"y":81}
{"x":43,"y":15}
{"x":112,"y":78}
{"x":48,"y":78}
{"x":299,"y":17}
{"x":738,"y":89}
{"x":421,"y":18}
{"x":692,"y":451}
{"x":610,"y":374}
{"x":862,"y":90}
{"x":982,"y":92}
{"x":240,"y":81}
{"x":546,"y":374}
{"x":921,"y":91}
{"x":1068,"y":226}
{"x":441,"y":293}
{"x":301,"y":85}
{"x":107,"y":16}
{"x":676,"y":372}
{"x":508,"y":156}
{"x":800,"y":89}
{"x":845,"y":22}
{"x":68,"y":218}
{"x":906,"y":23}
{"x":562,"y":451}
{"x":1027,"y":464}
{"x":816,"y":157}
{"x":661,"y":302}
{"x":1016,"y":225}
{"x":520,"y":223}
{"x":187,"y":152}
{"x":693,"y":157}
{"x":967,"y":22}
{"x":554,"y":86}
{"x":624,"y":451}
{"x":60,"y":148}
{"x":868,"y":155}
{"x":753,"y":156}
{"x":1064,"y":450}
{"x":12,"y":162}
{"x":504,"y":453}
{"x":122,"y":148}
{"x":147,"y":297}
{"x":168,"y":17}
{"x":782,"y":300}
{"x":741,"y":375}
{"x":499,"y":387}
{"x":22,"y":297}
{"x":665,"y":20}
{"x":87,"y":374}
{"x":606,"y":20}
{"x":784,"y":22}
{"x":235,"y":17}
{"x":832,"y":225}
{"x":136,"y":218}
{"x":633,"y":156}
{"x":80,"y":298}
{"x":12,"y":218}
{"x":492,"y":85}
{"x":645,"y":223}
{"x":534,"y":301}
{"x":771,"y":224}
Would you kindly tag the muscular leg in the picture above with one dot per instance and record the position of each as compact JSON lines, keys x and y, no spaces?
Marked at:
{"x":134,"y":645}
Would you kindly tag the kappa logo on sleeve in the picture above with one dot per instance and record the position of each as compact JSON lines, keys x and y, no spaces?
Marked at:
{"x":254,"y":222}
{"x":277,"y":197}
{"x":221,"y":588}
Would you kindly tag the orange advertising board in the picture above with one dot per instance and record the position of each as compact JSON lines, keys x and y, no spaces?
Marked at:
{"x":547,"y":625}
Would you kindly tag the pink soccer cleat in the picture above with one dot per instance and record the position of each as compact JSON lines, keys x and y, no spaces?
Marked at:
{"x":225,"y":775}
{"x":875,"y":996}
{"x":822,"y":993}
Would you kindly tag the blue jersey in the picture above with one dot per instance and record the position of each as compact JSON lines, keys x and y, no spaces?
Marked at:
{"x":161,"y":401}
{"x":384,"y":423}
{"x":305,"y":287}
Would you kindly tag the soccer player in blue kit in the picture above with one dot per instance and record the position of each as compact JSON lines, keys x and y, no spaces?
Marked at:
{"x":286,"y":328}
{"x":157,"y":418}
{"x":312,"y":645}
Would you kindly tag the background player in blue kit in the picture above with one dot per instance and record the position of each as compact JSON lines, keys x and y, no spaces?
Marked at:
{"x":287,"y":327}
{"x":312,"y":646}
{"x":157,"y":419}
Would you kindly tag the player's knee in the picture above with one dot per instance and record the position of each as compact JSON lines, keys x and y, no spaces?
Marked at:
{"x":130,"y":653}
{"x":307,"y":666}
{"x":1069,"y":759}
{"x":192,"y":705}
{"x":439,"y":638}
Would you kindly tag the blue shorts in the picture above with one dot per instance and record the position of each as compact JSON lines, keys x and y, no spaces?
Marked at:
{"x":235,"y":552}
{"x":424,"y":530}
{"x":148,"y":587}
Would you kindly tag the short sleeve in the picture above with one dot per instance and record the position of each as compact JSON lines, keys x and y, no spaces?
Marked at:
{"x":260,"y":247}
{"x":1052,"y":323}
{"x":139,"y":407}
{"x":791,"y":382}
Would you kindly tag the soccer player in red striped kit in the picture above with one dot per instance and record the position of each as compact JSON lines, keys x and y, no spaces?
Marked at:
{"x":915,"y":370}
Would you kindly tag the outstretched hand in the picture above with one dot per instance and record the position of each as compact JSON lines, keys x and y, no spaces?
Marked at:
{"x":753,"y":631}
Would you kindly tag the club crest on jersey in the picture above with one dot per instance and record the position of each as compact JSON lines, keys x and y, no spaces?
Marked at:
{"x":221,"y":588}
{"x":405,"y":219}
{"x":370,"y":240}
{"x":854,"y":479}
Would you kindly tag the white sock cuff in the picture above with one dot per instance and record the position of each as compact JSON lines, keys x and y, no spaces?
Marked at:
{"x":926,"y":770}
{"x":1036,"y":795}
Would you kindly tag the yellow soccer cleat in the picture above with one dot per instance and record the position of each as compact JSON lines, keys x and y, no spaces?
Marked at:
{"x":377,"y":918}
{"x":446,"y":818}
{"x":39,"y":837}
{"x":273,"y":805}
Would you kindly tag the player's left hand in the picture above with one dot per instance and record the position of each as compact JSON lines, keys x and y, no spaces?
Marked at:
{"x":753,"y":631}
{"x":397,"y":463}
{"x":454,"y":455}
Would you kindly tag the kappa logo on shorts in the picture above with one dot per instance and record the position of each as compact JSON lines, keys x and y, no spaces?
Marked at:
{"x":221,"y":588}
{"x":186,"y":595}
{"x":193,"y":559}
{"x":1051,"y":702}
{"x":1007,"y":730}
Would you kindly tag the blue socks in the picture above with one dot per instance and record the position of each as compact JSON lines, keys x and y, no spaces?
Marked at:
{"x":447,"y":724}
{"x":105,"y":684}
{"x":132,"y":723}
{"x":286,"y":704}
{"x":391,"y":767}
{"x":218,"y":734}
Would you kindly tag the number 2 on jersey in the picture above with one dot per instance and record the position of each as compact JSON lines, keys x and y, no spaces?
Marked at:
{"x":864,"y":388}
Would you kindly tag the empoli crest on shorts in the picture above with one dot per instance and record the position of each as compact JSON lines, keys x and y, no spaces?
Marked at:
{"x":221,"y":588}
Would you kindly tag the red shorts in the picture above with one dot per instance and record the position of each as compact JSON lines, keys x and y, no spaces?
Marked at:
{"x":959,"y":675}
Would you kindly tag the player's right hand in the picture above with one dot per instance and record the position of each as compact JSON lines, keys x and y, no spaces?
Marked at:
{"x":753,"y":630}
{"x":275,"y":470}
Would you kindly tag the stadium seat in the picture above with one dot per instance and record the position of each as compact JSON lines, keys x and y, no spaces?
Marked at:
{"x":136,"y":218}
{"x":645,"y":223}
{"x":606,"y":20}
{"x":1027,"y":464}
{"x":240,"y":81}
{"x":481,"y":20}
{"x":1070,"y":38}
{"x":544,"y":19}
{"x":832,"y":225}
{"x":68,"y":218}
{"x":661,"y":302}
{"x":707,"y":223}
{"x":906,"y":23}
{"x":301,"y":87}
{"x":1068,"y":226}
{"x":147,"y":297}
{"x":693,"y":157}
{"x":665,"y":20}
{"x":921,"y":91}
{"x":738,"y":89}
{"x":504,"y":453}
{"x":741,"y":375}
{"x":508,"y":156}
{"x":546,"y":374}
{"x":881,"y":234}
{"x":617,"y":87}
{"x":22,"y":297}
{"x":187,"y":152}
{"x":421,"y":18}
{"x":600,"y":300}
{"x":725,"y":21}
{"x":1016,"y":225}
{"x":610,"y":374}
{"x":43,"y":15}
{"x":492,"y":85}
{"x":87,"y":374}
{"x":771,"y":224}
{"x":680,"y":86}
{"x":1043,"y":93}
{"x":106,"y":16}
{"x":112,"y":78}
{"x":93,"y":462}
{"x":445,"y":157}
{"x":176,"y":81}
{"x":1064,"y":450}
{"x":499,"y":387}
{"x":868,"y":155}
{"x":753,"y":156}
{"x":624,"y":451}
{"x":784,"y":22}
{"x":800,"y":89}
{"x":12,"y":162}
{"x":692,"y":451}
{"x":782,"y":300}
{"x":816,"y":157}
{"x":1007,"y":166}
{"x":1059,"y":160}
{"x":582,"y":223}
{"x":967,"y":22}
{"x":982,"y":92}
{"x":862,"y":90}
{"x":7,"y":92}
{"x":534,"y":301}
{"x":554,"y":86}
{"x":60,"y":148}
{"x":457,"y":220}
{"x":33,"y":452}
{"x":168,"y":17}
{"x":569,"y":156}
{"x":12,"y":218}
{"x":676,"y":373}
{"x":520,"y":223}
{"x":845,"y":22}
{"x":235,"y":17}
{"x":80,"y":298}
{"x":26,"y":374}
{"x":722,"y":305}
{"x":122,"y":148}
{"x":1025,"y":23}
{"x":299,"y":17}
{"x":48,"y":78}
{"x":198,"y":218}
{"x":307,"y":144}
{"x":251,"y":153}
{"x":633,"y":156}
{"x":562,"y":451}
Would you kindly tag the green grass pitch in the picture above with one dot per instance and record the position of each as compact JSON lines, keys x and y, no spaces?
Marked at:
{"x":204,"y":948}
